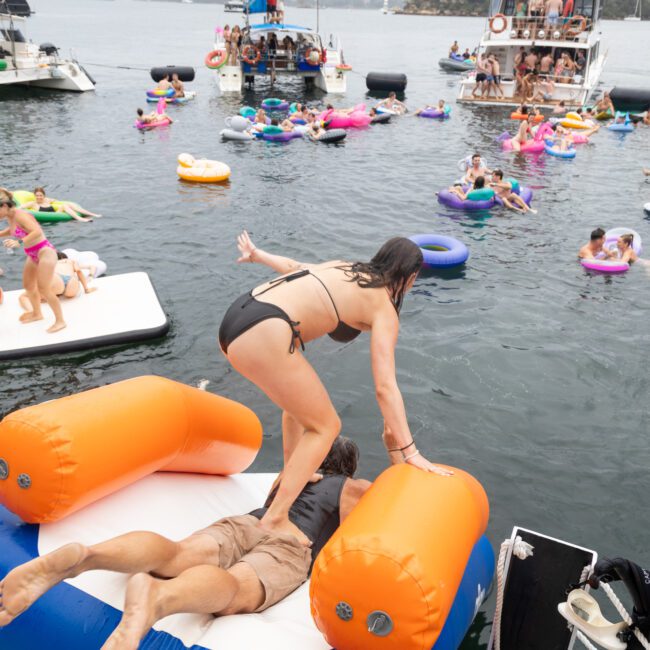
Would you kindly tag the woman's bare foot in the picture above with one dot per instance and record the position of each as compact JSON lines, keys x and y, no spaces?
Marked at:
{"x":58,"y":325}
{"x":139,"y":614}
{"x":284,"y":527}
{"x":28,"y":582}
{"x":30,"y":317}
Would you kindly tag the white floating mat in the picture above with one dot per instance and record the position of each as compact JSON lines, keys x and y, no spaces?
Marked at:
{"x":176,"y":505}
{"x":124,"y":309}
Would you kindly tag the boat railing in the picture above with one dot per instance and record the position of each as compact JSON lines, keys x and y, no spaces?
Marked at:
{"x":527,"y":28}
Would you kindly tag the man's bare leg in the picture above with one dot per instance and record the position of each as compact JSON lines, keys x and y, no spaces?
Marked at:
{"x":130,"y":553}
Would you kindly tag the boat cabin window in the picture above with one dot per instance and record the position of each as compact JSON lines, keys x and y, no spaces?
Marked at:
{"x":584,"y":8}
{"x":13,"y":35}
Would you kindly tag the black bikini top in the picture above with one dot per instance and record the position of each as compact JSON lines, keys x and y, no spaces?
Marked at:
{"x":342,"y":333}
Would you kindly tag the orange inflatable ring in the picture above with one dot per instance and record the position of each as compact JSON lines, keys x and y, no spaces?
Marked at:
{"x":62,"y":455}
{"x":503,"y":22}
{"x":256,"y":54}
{"x":571,"y":29}
{"x":308,"y":54}
{"x":215,"y":59}
{"x":401,"y":553}
{"x":344,"y":67}
{"x":522,"y":116}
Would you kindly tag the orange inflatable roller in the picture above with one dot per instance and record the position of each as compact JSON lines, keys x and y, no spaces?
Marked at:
{"x":388,"y":576}
{"x":59,"y":456}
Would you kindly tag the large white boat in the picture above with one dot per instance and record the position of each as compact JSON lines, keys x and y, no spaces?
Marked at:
{"x":636,"y":16}
{"x":274,"y":51}
{"x":24,"y":63}
{"x":506,"y":35}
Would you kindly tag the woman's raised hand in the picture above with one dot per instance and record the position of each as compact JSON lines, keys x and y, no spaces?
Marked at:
{"x":246,"y":247}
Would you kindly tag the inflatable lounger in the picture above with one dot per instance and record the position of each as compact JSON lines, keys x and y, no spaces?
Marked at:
{"x":81,"y":613}
{"x":124,"y":309}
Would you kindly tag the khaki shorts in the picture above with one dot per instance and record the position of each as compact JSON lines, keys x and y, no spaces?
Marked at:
{"x":280,"y":561}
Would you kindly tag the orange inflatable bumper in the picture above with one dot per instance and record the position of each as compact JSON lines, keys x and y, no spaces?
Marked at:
{"x":59,"y":456}
{"x":388,"y":576}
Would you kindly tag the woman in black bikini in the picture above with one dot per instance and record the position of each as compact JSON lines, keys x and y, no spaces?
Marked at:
{"x":44,"y":204}
{"x":264,"y":332}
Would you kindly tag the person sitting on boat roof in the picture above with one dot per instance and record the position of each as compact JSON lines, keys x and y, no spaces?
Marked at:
{"x":234,"y":566}
{"x":393,"y":104}
{"x":477,"y":168}
{"x":271,"y":9}
{"x":152,"y":117}
{"x":595,"y":248}
{"x":506,"y":190}
{"x":280,"y":12}
{"x":164,"y":83}
{"x":479,"y":184}
{"x":177,"y":85}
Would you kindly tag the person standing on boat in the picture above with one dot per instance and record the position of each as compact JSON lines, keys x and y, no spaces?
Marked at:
{"x":553,"y":11}
{"x":546,"y":64}
{"x":495,"y":73}
{"x":481,"y":75}
{"x":235,"y":43}
{"x":263,"y":334}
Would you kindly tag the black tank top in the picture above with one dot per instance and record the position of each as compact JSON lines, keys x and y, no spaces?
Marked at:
{"x":316,"y":511}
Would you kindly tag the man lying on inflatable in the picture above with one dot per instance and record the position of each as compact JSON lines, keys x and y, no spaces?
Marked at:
{"x":232,"y":567}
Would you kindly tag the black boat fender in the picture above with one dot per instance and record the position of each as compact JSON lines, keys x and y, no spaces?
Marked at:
{"x":386,"y":81}
{"x":184,"y":72}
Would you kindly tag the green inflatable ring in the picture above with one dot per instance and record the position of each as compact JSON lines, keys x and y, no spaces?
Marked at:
{"x":22,"y":196}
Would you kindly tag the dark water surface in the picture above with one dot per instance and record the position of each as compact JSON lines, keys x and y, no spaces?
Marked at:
{"x":521,"y":367}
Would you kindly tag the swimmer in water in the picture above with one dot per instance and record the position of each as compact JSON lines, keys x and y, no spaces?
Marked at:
{"x":391,"y":103}
{"x":525,"y":130}
{"x":506,"y":190}
{"x":624,"y":251}
{"x":441,"y":106}
{"x":595,"y":249}
{"x":479,"y":184}
{"x":476,"y":169}
{"x":152,"y":118}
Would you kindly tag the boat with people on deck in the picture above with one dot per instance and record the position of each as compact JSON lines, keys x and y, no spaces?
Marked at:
{"x":273,"y":50}
{"x":570,"y":35}
{"x":25,"y":63}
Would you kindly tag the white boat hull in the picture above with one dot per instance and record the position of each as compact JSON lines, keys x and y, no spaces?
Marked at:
{"x":63,"y":76}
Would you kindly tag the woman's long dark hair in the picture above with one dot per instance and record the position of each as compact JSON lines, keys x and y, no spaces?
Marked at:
{"x":391,"y":267}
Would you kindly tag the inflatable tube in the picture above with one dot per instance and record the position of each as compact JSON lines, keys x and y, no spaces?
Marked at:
{"x":434,"y":113}
{"x":441,"y":252}
{"x":87,"y":259}
{"x":573,"y":123}
{"x":185,"y":72}
{"x":522,"y":116}
{"x":633,"y":100}
{"x":394,"y":566}
{"x":646,"y":209}
{"x":237,"y":136}
{"x":605,"y":266}
{"x":237,"y":123}
{"x":156,"y":93}
{"x":201,"y":171}
{"x":531,"y":146}
{"x":626,"y":127}
{"x":614,"y":233}
{"x":75,"y":450}
{"x":386,"y":81}
{"x":216,"y":59}
{"x":153,"y":125}
{"x":189,"y":96}
{"x":297,"y":120}
{"x":554,"y":150}
{"x":381,"y":118}
{"x":451,"y":200}
{"x":604,"y":115}
{"x":93,"y":320}
{"x":524,"y":192}
{"x":282,"y":136}
{"x":23,"y":196}
{"x":247,"y":111}
{"x":331,"y":136}
{"x":274,"y":104}
{"x":358,"y":119}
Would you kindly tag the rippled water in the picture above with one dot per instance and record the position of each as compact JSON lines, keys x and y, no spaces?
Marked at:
{"x":521,"y":367}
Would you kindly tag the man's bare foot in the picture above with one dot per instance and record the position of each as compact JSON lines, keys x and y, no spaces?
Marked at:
{"x":30,"y":317}
{"x":28,"y":582}
{"x":139,"y":614}
{"x":284,"y":527}
{"x":58,"y":325}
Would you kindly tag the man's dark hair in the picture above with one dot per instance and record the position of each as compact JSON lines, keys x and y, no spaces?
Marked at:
{"x":498,"y":173}
{"x":597,"y":234}
{"x":342,"y":458}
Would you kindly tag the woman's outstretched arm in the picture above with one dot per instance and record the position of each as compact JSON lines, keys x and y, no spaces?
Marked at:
{"x":250,"y":253}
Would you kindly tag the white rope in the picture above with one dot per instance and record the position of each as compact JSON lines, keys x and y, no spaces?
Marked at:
{"x":521,"y":550}
{"x":624,"y":615}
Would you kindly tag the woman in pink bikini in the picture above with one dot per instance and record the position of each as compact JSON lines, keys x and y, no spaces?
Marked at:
{"x":40,"y":263}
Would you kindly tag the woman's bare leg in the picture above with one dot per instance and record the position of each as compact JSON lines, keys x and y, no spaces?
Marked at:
{"x":72,"y":289}
{"x":45,"y":270}
{"x":261,"y":354}
{"x":130,"y":553}
{"x":30,"y":283}
{"x":73,"y":213}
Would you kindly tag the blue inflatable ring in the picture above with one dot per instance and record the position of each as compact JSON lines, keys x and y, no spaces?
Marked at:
{"x":440,"y":251}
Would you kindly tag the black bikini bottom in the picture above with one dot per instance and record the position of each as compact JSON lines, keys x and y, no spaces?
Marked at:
{"x":246,"y":312}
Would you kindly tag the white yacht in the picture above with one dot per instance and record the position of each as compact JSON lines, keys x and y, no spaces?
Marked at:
{"x":636,"y":16}
{"x":24,"y":63}
{"x":275,"y":51}
{"x":234,"y":5}
{"x":506,"y":35}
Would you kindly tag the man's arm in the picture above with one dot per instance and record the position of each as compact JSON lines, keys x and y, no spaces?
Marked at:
{"x":353,"y":490}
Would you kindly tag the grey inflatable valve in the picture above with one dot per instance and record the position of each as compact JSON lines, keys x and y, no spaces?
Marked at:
{"x":4,"y":469}
{"x":379,"y":623}
{"x":24,"y":481}
{"x":344,"y":611}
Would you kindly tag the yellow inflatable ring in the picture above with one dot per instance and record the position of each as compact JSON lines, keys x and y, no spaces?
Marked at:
{"x":201,"y":171}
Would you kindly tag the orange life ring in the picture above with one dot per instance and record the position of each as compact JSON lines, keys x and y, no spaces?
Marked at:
{"x":247,"y":59}
{"x":504,"y":23}
{"x":219,"y":55}
{"x":344,"y":66}
{"x":573,"y":30}
{"x":308,"y":56}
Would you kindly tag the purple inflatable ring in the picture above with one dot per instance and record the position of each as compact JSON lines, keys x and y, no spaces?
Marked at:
{"x":451,"y":200}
